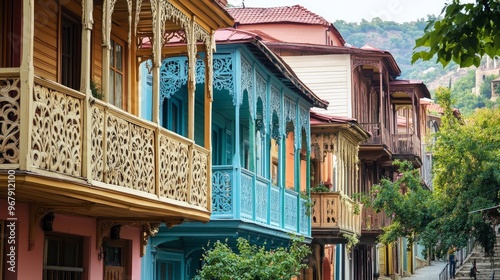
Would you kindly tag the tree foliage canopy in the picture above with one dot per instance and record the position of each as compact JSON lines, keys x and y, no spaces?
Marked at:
{"x":405,"y":201}
{"x":466,"y":158}
{"x":463,"y":34}
{"x":466,"y":170}
{"x":252,"y":262}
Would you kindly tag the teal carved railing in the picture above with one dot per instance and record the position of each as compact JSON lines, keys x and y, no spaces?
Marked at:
{"x":241,"y":194}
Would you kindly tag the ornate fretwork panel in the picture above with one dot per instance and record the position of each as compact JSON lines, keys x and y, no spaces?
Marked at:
{"x":174,"y":168}
{"x":246,"y":83}
{"x":201,"y":34}
{"x":315,"y":210}
{"x":291,"y":211}
{"x":107,"y":13}
{"x":304,"y":124}
{"x":275,"y":206}
{"x":57,"y":131}
{"x":222,"y":197}
{"x":246,"y":196}
{"x":142,"y":159}
{"x":172,"y":78}
{"x":330,"y":211}
{"x":275,"y":100}
{"x":261,"y":202}
{"x":97,"y":136}
{"x":223,"y":75}
{"x":10,"y":97}
{"x":275,"y":109}
{"x":200,"y":180}
{"x":325,"y":143}
{"x":261,"y":94}
{"x":290,"y":116}
{"x":200,"y":71}
{"x":290,"y":110}
{"x":118,"y":167}
{"x":304,"y":217}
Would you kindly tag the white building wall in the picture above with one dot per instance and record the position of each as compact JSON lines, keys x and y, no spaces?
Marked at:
{"x":329,"y":77}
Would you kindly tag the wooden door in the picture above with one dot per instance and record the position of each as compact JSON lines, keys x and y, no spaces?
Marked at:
{"x":116,"y":260}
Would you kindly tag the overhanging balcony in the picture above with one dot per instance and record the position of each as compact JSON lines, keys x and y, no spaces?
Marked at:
{"x":372,"y":224}
{"x":333,"y":215}
{"x":239,"y":194}
{"x":87,"y":157}
{"x":383,"y":144}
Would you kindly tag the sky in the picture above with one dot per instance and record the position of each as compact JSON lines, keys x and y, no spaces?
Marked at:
{"x":356,"y":10}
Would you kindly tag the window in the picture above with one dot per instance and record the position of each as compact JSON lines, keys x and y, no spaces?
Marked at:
{"x":116,"y":73}
{"x":63,"y":257}
{"x":71,"y":42}
{"x":10,"y":32}
{"x":173,"y":115}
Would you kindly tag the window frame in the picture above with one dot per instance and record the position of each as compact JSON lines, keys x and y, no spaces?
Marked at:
{"x":123,"y":72}
{"x":63,"y":239}
{"x":74,"y":78}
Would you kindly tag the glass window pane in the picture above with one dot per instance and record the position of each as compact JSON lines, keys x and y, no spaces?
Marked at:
{"x":118,"y":89}
{"x":118,"y":57}
{"x":111,"y":86}
{"x":112,"y":54}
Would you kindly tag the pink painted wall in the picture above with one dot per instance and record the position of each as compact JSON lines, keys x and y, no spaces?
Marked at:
{"x":30,"y":263}
{"x":294,"y":33}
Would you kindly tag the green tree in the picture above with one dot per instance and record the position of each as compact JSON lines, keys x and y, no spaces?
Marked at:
{"x":405,"y":201}
{"x":253,"y":262}
{"x":464,"y":34}
{"x":466,"y":166}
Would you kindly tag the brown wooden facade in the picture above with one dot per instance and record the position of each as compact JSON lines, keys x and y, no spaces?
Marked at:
{"x":69,"y":106}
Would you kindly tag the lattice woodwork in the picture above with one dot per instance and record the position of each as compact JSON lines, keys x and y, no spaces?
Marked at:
{"x":57,"y":131}
{"x":143,"y":159}
{"x":118,"y":166}
{"x":10,"y":97}
{"x":97,"y":138}
{"x":199,"y":186}
{"x":222,"y":199}
{"x":174,"y":168}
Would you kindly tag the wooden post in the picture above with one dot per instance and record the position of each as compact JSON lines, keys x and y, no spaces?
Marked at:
{"x":87,"y":7}
{"x":209,"y":47}
{"x":27,"y":79}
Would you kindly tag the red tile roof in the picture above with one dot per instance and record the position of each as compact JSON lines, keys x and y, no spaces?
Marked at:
{"x":296,"y":13}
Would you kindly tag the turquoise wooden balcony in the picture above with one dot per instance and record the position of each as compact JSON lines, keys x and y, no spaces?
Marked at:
{"x":240,"y":194}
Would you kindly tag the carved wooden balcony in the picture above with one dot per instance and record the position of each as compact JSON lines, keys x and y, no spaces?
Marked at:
{"x":242,"y":195}
{"x":95,"y":159}
{"x":372,"y":224}
{"x":333,"y":215}
{"x":383,"y":143}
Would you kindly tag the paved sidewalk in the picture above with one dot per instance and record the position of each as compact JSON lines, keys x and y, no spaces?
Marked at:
{"x":430,"y":272}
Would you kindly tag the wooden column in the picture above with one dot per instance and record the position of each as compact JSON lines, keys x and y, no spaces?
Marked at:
{"x":209,"y":48}
{"x":157,"y":12}
{"x":107,"y":11}
{"x":191,"y":47}
{"x":87,"y":7}
{"x":27,"y":79}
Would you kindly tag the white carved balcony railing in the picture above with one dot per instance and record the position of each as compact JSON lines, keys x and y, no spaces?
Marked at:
{"x":244,"y":195}
{"x":332,"y":210}
{"x":126,"y":153}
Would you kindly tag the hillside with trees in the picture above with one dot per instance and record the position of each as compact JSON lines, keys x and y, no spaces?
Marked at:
{"x":399,"y":40}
